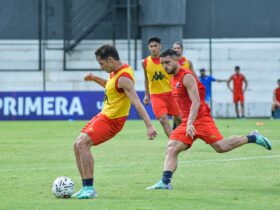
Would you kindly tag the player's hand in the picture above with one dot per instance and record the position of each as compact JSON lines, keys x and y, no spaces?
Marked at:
{"x":151,"y":132}
{"x":146,"y":100}
{"x":89,"y":76}
{"x":190,"y":130}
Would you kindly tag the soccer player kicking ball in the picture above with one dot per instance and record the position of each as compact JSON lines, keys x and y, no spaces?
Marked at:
{"x":196,"y":120}
{"x":119,"y":94}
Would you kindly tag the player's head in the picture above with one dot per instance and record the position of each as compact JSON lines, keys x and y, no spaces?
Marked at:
{"x":202,"y":72}
{"x":237,"y":69}
{"x":169,"y":61}
{"x":178,"y":47}
{"x":278,"y":81}
{"x":154,"y":44}
{"x":107,"y":55}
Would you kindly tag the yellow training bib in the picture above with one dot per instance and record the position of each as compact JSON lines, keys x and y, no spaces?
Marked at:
{"x":158,"y":79}
{"x":116,"y":102}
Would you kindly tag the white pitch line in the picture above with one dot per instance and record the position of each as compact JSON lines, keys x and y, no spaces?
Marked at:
{"x":151,"y":163}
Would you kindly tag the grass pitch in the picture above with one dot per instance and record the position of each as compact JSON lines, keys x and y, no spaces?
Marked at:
{"x":33,"y":154}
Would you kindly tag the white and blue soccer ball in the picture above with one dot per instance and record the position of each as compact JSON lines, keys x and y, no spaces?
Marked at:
{"x":63,"y":187}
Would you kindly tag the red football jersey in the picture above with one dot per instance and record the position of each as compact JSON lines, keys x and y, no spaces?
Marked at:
{"x":238,"y":82}
{"x":277,"y":92}
{"x":182,"y":98}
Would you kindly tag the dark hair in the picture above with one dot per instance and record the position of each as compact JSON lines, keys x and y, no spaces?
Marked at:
{"x":106,"y":51}
{"x":202,"y":69}
{"x":237,"y":67}
{"x":168,"y":52}
{"x":154,"y":39}
{"x":278,"y":80}
{"x":179,"y":43}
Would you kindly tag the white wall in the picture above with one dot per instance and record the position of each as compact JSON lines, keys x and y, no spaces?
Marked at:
{"x":259,"y":60}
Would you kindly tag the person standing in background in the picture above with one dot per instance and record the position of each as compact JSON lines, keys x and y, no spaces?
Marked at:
{"x":158,"y":88}
{"x":238,"y":90}
{"x":207,"y":80}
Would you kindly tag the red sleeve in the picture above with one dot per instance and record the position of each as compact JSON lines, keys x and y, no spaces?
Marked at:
{"x":125,"y":74}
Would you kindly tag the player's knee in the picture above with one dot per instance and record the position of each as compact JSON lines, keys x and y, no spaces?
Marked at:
{"x":172,"y":150}
{"x":80,"y":144}
{"x":75,"y":147}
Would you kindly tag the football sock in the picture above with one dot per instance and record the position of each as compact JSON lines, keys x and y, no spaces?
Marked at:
{"x":166,"y":177}
{"x":252,"y":139}
{"x":87,"y":182}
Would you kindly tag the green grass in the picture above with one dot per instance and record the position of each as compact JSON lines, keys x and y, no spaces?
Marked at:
{"x":33,"y":154}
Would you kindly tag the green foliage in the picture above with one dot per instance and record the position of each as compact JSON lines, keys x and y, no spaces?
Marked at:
{"x":33,"y":154}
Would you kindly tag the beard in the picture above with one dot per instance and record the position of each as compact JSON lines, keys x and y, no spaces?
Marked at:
{"x":170,"y":70}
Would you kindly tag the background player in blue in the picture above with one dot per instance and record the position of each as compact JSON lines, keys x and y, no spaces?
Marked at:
{"x":206,"y":80}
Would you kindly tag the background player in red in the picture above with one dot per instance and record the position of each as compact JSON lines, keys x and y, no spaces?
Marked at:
{"x":158,"y":89}
{"x":196,"y":120}
{"x":276,"y":99}
{"x":119,"y":94}
{"x":238,"y":90}
{"x":183,"y":61}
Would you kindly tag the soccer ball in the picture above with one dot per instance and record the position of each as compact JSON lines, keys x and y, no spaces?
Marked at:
{"x":63,"y":187}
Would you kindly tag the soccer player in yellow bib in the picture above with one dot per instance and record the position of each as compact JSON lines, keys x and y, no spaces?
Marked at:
{"x":183,"y":61}
{"x":158,"y":88}
{"x":119,"y":94}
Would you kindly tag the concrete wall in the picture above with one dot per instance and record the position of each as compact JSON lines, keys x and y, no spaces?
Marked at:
{"x":259,"y":60}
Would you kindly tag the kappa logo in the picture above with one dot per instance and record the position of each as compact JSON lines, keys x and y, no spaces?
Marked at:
{"x":106,"y":99}
{"x":157,"y":76}
{"x":212,"y":136}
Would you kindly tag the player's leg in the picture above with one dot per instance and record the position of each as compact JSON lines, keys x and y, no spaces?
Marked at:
{"x":85,"y":163}
{"x":97,"y":131}
{"x":242,"y":106}
{"x":171,"y":159}
{"x":273,"y":108}
{"x":170,"y":164}
{"x":235,"y":101}
{"x":85,"y":158}
{"x":174,"y":147}
{"x":164,"y":121}
{"x":208,"y":131}
{"x":242,"y":110}
{"x":236,"y":109}
{"x":160,"y":111}
{"x":228,"y":144}
{"x":233,"y":142}
{"x":173,"y":110}
{"x":77,"y":156}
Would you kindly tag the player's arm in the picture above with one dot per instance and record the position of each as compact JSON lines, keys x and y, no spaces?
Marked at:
{"x":146,"y":83}
{"x":220,"y":80}
{"x":228,"y":84}
{"x":190,"y":84}
{"x":246,"y":84}
{"x":127,"y":85}
{"x":91,"y":77}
